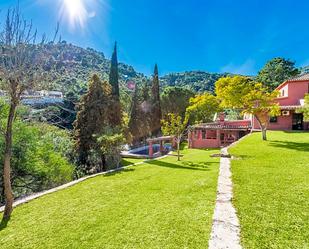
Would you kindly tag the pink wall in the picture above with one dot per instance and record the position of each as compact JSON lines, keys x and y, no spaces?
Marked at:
{"x":296,"y":91}
{"x":205,"y":143}
{"x":283,"y":123}
{"x":199,"y":142}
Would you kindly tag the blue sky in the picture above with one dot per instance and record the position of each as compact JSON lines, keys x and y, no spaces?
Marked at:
{"x":217,"y":36}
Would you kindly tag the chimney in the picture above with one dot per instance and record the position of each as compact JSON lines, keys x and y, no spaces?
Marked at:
{"x":221,"y":118}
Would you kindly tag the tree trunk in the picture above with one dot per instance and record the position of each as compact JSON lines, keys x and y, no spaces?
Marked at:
{"x":263,"y":128}
{"x":178,"y":145}
{"x":8,"y":193}
{"x":103,"y":160}
{"x":264,"y":134}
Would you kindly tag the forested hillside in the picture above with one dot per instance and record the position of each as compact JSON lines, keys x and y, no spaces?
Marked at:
{"x":73,"y":66}
{"x":197,"y":81}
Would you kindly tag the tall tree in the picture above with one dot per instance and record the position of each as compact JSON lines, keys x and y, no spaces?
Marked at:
{"x":155,"y":102}
{"x":114,"y":82}
{"x":22,"y":60}
{"x":251,"y":97}
{"x":92,"y":117}
{"x":113,"y":74}
{"x":140,"y":115}
{"x":202,"y":108}
{"x":175,"y":125}
{"x":276,"y":71}
{"x":175,"y":100}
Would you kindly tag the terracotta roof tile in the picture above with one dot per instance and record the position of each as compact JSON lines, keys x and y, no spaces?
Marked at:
{"x":300,"y":77}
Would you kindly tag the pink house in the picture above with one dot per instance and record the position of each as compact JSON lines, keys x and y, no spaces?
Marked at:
{"x":292,"y":93}
{"x":222,"y":132}
{"x":217,"y":134}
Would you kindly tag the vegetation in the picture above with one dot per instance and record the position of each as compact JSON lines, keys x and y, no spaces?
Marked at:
{"x":305,"y":108}
{"x":41,"y":155}
{"x":276,"y":71}
{"x":271,"y":190}
{"x":174,"y":126}
{"x":146,"y":114}
{"x":159,"y":204}
{"x":175,"y":100}
{"x":243,"y":93}
{"x":93,"y":116}
{"x":140,"y":115}
{"x":114,"y":82}
{"x":156,"y":113}
{"x":197,"y":81}
{"x":111,"y":142}
{"x":21,"y":70}
{"x":203,"y":108}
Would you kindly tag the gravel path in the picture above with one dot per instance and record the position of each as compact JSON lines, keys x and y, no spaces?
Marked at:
{"x":225,"y":228}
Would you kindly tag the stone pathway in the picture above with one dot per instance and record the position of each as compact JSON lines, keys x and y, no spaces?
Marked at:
{"x":225,"y":228}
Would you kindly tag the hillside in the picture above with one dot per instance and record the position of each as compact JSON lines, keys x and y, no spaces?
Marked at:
{"x":73,"y":66}
{"x":198,"y":81}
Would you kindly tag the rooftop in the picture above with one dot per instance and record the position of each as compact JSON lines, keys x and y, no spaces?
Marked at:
{"x":301,"y":77}
{"x":227,"y":125}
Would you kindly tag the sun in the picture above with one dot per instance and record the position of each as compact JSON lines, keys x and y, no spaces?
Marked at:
{"x":75,"y":12}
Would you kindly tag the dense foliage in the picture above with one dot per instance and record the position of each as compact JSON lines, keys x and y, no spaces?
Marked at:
{"x":93,"y":115}
{"x":202,"y":108}
{"x":276,"y":71}
{"x":249,"y":96}
{"x":156,"y":113}
{"x":197,"y":81}
{"x":41,"y":156}
{"x":140,"y":115}
{"x":175,"y":100}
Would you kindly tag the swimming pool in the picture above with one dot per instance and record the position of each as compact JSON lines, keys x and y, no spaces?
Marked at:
{"x":143,"y":152}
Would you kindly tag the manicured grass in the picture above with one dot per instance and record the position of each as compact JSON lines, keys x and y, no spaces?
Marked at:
{"x":271,"y":190}
{"x":158,"y":204}
{"x":129,"y":161}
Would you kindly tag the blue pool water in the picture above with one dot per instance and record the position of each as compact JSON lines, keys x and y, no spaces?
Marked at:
{"x":145,"y":149}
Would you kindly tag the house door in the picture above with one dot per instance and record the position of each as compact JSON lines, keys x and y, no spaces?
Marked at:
{"x":297,"y":122}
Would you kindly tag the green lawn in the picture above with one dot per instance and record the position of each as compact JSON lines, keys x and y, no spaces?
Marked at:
{"x":271,"y":185}
{"x":158,"y":204}
{"x":129,"y":161}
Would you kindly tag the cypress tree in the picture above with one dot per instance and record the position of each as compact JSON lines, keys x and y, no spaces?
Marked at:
{"x":116,"y":118}
{"x":113,"y":75}
{"x":156,"y":105}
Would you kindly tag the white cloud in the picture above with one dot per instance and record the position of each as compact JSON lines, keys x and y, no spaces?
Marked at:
{"x":246,"y":68}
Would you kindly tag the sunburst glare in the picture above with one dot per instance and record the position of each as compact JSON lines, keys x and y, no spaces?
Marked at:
{"x":77,"y":13}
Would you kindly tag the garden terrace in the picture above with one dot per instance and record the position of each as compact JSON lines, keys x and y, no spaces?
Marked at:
{"x":159,"y":204}
{"x":271,"y":189}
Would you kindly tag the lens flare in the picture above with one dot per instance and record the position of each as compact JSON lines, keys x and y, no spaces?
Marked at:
{"x":76,"y":13}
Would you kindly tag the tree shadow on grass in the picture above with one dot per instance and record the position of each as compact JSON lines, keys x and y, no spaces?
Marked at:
{"x":184,"y":165}
{"x":119,"y":171}
{"x":299,"y":146}
{"x":4,"y":223}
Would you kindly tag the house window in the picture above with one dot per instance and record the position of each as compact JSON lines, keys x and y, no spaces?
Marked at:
{"x":203,"y":134}
{"x":282,"y":94}
{"x":273,"y":119}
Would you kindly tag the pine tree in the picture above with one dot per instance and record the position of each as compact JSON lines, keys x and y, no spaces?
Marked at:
{"x":92,"y":117}
{"x":155,"y":101}
{"x":116,"y":118}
